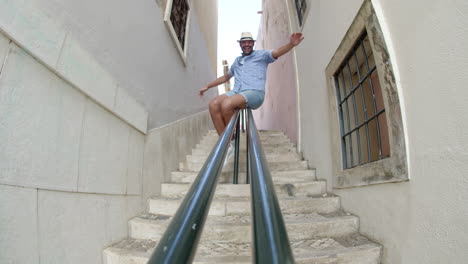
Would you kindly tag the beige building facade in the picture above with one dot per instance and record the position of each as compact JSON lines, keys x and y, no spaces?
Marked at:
{"x":411,"y":198}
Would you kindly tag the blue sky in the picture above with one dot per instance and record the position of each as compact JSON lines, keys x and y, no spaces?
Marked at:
{"x":234,"y":17}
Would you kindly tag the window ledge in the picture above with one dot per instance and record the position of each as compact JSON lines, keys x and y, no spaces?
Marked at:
{"x":388,"y":170}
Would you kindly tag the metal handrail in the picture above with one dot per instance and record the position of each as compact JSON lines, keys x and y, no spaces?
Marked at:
{"x":270,"y":243}
{"x":235,"y":179}
{"x":241,"y":123}
{"x":180,"y":240}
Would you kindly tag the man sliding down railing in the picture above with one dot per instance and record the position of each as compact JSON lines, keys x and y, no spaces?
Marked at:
{"x":270,"y":240}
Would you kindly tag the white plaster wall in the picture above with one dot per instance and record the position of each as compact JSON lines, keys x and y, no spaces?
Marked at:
{"x":422,"y":220}
{"x":326,"y":24}
{"x":130,"y":40}
{"x":70,"y":171}
{"x":428,"y":213}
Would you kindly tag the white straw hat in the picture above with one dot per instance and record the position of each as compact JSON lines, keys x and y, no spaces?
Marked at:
{"x":246,"y":36}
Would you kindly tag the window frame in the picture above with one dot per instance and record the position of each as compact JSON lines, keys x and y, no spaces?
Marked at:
{"x":355,"y":94}
{"x":304,"y":15}
{"x":293,"y":8}
{"x":167,"y":20}
{"x":393,"y":168}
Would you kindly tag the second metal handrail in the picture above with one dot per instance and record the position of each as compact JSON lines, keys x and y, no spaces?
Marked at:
{"x":270,"y":242}
{"x":180,"y":240}
{"x":241,"y":126}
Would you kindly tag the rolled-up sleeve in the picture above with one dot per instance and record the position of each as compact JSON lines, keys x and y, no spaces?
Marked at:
{"x":231,"y":70}
{"x":269,"y":56}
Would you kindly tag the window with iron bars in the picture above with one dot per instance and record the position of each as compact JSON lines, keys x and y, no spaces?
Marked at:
{"x":363,"y":122}
{"x":179,"y":14}
{"x":301,"y":6}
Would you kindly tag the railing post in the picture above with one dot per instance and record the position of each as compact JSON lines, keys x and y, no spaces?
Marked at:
{"x":247,"y":161}
{"x":236,"y":153}
{"x":244,"y":119}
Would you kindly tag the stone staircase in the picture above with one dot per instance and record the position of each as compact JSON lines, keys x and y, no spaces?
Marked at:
{"x":318,"y":230}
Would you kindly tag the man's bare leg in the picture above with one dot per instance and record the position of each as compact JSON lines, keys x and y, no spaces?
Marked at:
{"x":216,"y":114}
{"x":230,"y":105}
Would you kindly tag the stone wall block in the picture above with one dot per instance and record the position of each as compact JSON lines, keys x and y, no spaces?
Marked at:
{"x":152,"y":165}
{"x":54,"y":44}
{"x":116,"y":218}
{"x":18,"y":225}
{"x":129,"y":109}
{"x":79,"y":66}
{"x":104,"y":152}
{"x":74,"y":227}
{"x":135,"y":162}
{"x":4,"y":44}
{"x":38,"y":32}
{"x":40,"y":128}
{"x":134,"y":206}
{"x":8,"y":12}
{"x":166,"y":146}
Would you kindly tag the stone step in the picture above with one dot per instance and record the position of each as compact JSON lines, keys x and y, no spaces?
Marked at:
{"x":241,"y":206}
{"x":265,"y":140}
{"x":309,"y":188}
{"x":226,"y":177}
{"x":353,"y":249}
{"x":129,"y":251}
{"x":273,"y":166}
{"x":266,"y":146}
{"x":267,"y":149}
{"x":271,"y":157}
{"x":319,"y":232}
{"x":237,"y":228}
{"x":262,"y":135}
{"x":260,"y":132}
{"x":313,"y":251}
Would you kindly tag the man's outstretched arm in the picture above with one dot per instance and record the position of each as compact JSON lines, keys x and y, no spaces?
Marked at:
{"x":226,"y":77}
{"x":294,"y":40}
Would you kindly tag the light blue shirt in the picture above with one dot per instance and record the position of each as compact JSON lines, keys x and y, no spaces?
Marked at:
{"x":250,"y":71}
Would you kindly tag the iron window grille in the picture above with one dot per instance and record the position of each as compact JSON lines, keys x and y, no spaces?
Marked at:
{"x":301,"y":6}
{"x":179,"y":14}
{"x":363,"y":122}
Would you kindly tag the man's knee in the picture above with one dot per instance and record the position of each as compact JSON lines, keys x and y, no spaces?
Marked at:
{"x":215,"y":105}
{"x":227,"y":106}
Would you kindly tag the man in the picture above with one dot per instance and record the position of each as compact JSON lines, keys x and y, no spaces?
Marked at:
{"x":249,"y":71}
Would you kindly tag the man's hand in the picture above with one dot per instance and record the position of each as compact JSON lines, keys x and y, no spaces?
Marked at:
{"x":296,"y":38}
{"x":203,"y":90}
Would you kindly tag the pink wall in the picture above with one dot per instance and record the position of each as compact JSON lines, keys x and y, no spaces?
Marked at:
{"x":279,"y":110}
